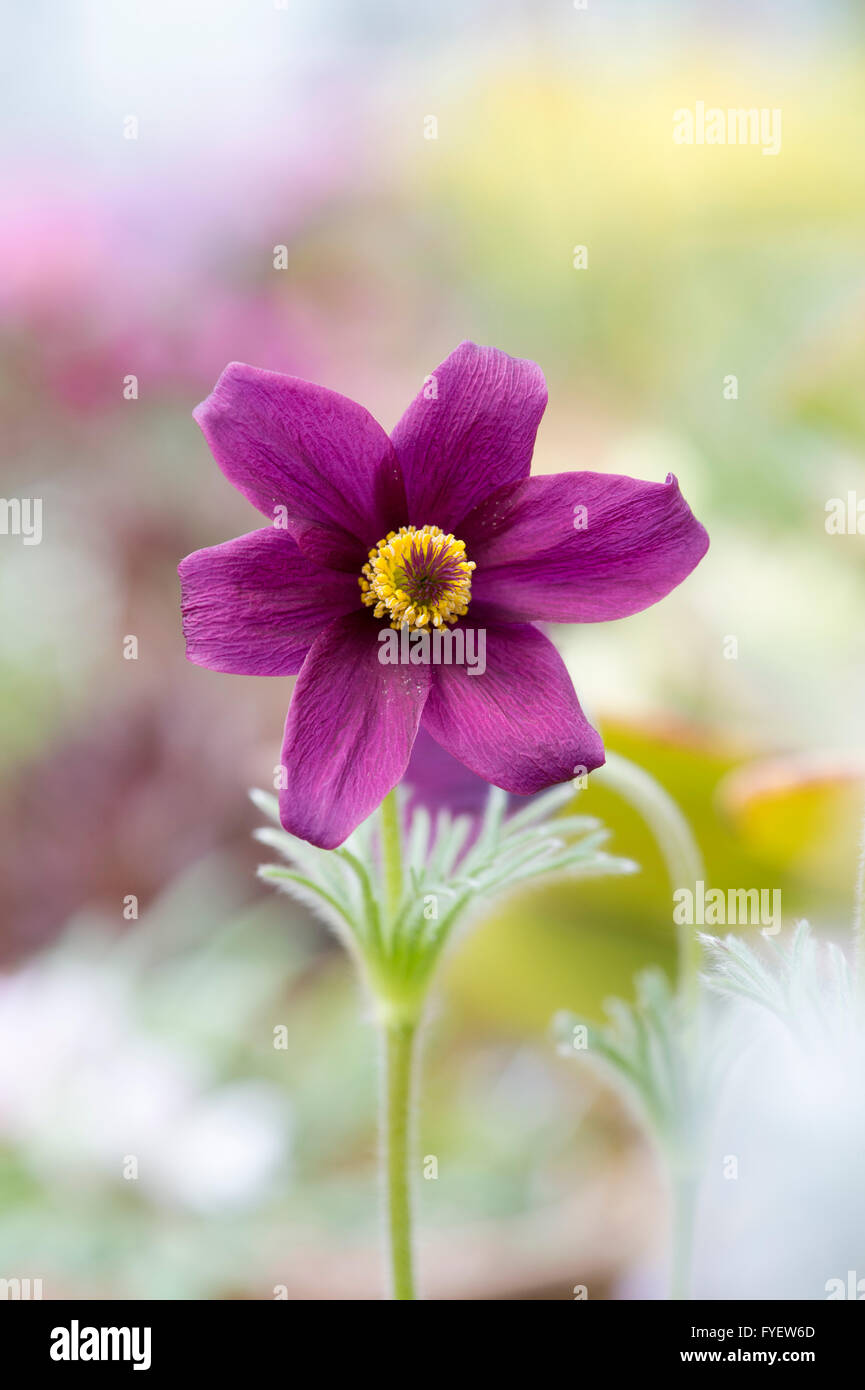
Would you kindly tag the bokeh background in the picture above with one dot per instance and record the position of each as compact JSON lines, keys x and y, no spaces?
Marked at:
{"x":305,"y":125}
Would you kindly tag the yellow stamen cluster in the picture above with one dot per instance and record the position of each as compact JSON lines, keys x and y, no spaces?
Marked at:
{"x":418,"y":576}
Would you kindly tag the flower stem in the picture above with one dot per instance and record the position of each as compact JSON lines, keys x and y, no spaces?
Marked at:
{"x":391,"y":849}
{"x":399,"y":1040}
{"x":684,"y":865}
{"x":677,"y":845}
{"x":859,"y":924}
{"x":399,"y":1030}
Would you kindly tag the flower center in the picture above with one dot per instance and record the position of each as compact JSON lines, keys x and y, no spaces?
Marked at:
{"x":418,"y":576}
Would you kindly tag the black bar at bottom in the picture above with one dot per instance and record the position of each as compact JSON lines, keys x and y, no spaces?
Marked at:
{"x":153,"y":1339}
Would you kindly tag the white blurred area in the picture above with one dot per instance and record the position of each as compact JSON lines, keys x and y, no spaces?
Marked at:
{"x":88,"y":1097}
{"x":792,"y":1222}
{"x":217,"y":76}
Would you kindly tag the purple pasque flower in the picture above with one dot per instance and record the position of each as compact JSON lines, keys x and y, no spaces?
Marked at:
{"x":437,"y":529}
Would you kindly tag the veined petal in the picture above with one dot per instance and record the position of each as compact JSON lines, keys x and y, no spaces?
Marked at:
{"x":470,"y":430}
{"x":581,"y":547}
{"x":349,"y":731}
{"x":519,"y":724}
{"x":440,"y":782}
{"x":255,"y":605}
{"x":287,"y":443}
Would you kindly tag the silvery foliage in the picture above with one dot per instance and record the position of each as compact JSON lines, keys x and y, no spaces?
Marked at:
{"x":665,"y":1055}
{"x":670,"y":1057}
{"x":807,"y":984}
{"x":447,"y":874}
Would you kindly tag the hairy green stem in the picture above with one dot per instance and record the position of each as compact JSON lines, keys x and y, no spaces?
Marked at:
{"x":677,"y":845}
{"x":399,"y":1045}
{"x":391,"y":850}
{"x":399,"y":1015}
{"x":684,"y":865}
{"x":859,"y":924}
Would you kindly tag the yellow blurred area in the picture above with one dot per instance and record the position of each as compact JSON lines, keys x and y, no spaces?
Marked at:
{"x":794,"y":824}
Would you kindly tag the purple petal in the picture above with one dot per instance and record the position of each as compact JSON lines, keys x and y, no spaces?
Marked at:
{"x":536,"y":561}
{"x":471,"y":429}
{"x":286,"y":443}
{"x":349,"y":732}
{"x":440,"y":782}
{"x":255,"y":605}
{"x":519,"y":724}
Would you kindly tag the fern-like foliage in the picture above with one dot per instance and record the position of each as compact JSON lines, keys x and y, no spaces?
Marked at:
{"x":666,"y":1060}
{"x":453,"y":866}
{"x":805,"y":983}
